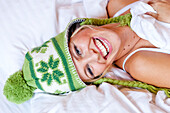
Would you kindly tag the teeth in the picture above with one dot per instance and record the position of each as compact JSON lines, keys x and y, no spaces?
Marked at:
{"x":102,"y":47}
{"x":105,"y":45}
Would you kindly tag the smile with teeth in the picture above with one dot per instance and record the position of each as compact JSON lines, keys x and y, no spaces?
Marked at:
{"x":102,"y":46}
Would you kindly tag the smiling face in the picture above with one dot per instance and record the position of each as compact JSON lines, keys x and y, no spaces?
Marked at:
{"x":93,"y":50}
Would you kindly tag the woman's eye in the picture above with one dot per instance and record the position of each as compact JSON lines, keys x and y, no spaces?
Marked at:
{"x":90,"y":71}
{"x":77,"y":50}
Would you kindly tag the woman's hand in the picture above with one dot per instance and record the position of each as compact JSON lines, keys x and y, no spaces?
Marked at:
{"x":114,"y":6}
{"x":162,"y":7}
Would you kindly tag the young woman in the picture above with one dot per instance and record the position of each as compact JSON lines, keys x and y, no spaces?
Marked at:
{"x":83,"y":53}
{"x":95,"y":48}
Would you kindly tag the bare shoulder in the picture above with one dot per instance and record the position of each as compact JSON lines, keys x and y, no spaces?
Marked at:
{"x":115,"y":5}
{"x":150,"y":67}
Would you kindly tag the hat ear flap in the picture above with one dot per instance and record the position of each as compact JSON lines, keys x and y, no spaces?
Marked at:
{"x":16,"y":89}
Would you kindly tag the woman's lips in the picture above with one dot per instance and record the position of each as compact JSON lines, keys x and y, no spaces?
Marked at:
{"x":103,"y":46}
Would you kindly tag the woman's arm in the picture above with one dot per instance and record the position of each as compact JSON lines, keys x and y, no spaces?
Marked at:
{"x":115,"y":5}
{"x":150,"y":67}
{"x":162,"y":8}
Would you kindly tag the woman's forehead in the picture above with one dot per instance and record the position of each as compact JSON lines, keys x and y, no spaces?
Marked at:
{"x":80,"y":29}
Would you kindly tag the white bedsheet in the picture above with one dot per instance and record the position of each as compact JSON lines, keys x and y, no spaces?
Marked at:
{"x":25,"y":24}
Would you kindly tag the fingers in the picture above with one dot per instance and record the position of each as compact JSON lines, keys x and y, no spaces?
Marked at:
{"x":155,"y":15}
{"x":155,"y":4}
{"x":162,"y":7}
{"x":151,"y":2}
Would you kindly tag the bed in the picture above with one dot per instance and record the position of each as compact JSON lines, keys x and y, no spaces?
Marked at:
{"x":25,"y":24}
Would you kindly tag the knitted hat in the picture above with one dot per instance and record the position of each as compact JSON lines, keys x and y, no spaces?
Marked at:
{"x":49,"y":68}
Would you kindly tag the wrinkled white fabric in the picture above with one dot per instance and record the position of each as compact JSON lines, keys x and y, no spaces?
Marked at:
{"x":104,"y":99}
{"x":148,"y":28}
{"x":25,"y":24}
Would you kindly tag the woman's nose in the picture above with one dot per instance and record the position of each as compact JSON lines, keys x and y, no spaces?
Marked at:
{"x":96,"y":56}
{"x":93,"y":55}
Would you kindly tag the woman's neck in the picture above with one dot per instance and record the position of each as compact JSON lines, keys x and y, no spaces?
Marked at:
{"x":127,"y":36}
{"x":128,"y":40}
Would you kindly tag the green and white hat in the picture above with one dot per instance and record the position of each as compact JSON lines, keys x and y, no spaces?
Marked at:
{"x":50,"y":67}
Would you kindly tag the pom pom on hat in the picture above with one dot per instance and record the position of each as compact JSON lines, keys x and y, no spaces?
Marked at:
{"x":50,"y":67}
{"x":17,"y":90}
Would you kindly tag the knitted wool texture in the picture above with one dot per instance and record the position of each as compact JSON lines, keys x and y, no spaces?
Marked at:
{"x":138,"y":84}
{"x":49,"y":68}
